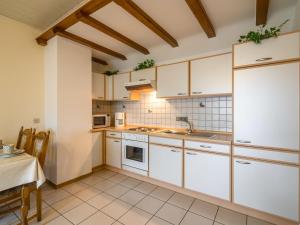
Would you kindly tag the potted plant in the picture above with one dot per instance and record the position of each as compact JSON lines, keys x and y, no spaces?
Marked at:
{"x":148,"y":63}
{"x":110,"y":73}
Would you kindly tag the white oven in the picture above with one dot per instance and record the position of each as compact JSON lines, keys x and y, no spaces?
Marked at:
{"x":135,"y":151}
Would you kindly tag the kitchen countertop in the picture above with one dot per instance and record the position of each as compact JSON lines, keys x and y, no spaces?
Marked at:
{"x":219,"y":137}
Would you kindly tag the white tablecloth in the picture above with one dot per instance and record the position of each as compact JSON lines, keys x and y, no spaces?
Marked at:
{"x":18,"y":170}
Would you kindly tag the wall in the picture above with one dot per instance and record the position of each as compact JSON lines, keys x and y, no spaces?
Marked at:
{"x":297,"y":17}
{"x":21,"y":79}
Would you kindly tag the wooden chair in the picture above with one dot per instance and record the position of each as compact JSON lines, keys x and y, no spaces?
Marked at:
{"x":25,"y":139}
{"x":38,"y":148}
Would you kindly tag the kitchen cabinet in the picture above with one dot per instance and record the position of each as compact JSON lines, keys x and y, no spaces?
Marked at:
{"x":98,"y":86}
{"x":165,"y":164}
{"x":207,"y":173}
{"x":173,"y":80}
{"x":113,"y":152}
{"x":119,"y":80}
{"x":212,"y":75}
{"x":145,"y":74}
{"x":272,"y":188}
{"x":266,"y":106}
{"x":109,"y":88}
{"x":285,"y":47}
{"x":97,"y":149}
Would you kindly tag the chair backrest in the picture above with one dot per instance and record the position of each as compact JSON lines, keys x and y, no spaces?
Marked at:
{"x":40,"y":146}
{"x":25,"y":139}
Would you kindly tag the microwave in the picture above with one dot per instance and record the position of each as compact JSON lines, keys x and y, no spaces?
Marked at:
{"x":101,"y":120}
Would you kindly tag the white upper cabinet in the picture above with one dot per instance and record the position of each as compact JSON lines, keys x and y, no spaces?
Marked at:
{"x":212,"y":75}
{"x":98,"y":85}
{"x":284,"y":47}
{"x":108,"y":87}
{"x":266,"y":106}
{"x":120,"y":92}
{"x":173,"y":80}
{"x":146,"y":74}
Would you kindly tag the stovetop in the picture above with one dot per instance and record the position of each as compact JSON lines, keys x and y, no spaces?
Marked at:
{"x":144,"y":129}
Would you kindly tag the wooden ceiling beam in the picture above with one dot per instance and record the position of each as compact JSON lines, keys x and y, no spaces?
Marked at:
{"x":112,"y":33}
{"x":89,"y":8}
{"x":88,"y":43}
{"x":199,"y":12}
{"x":262,"y":7}
{"x":100,"y":61}
{"x":144,"y":18}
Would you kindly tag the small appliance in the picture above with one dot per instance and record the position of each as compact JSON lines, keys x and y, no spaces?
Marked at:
{"x":101,"y":120}
{"x":119,"y":119}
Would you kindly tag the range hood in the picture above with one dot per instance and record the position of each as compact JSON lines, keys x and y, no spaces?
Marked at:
{"x":141,"y":85}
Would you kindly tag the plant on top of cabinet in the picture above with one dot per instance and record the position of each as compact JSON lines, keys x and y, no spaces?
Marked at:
{"x":111,"y":72}
{"x":148,"y":63}
{"x":262,"y":33}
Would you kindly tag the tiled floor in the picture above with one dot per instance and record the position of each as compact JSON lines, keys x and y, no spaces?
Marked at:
{"x":106,"y":198}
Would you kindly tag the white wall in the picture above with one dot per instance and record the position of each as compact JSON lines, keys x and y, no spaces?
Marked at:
{"x":21,"y":79}
{"x":297,"y":17}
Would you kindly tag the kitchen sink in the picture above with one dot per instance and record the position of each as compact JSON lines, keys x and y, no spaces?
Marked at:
{"x":174,"y":132}
{"x":193,"y":134}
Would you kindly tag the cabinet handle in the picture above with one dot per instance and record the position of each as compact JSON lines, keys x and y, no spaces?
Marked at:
{"x":181,"y":93}
{"x":191,"y":153}
{"x":205,"y":146}
{"x":125,"y":97}
{"x":117,"y":141}
{"x":243,"y":162}
{"x":142,"y":79}
{"x":263,"y":59}
{"x":243,"y":141}
{"x":112,"y":134}
{"x":174,"y":150}
{"x":196,"y":92}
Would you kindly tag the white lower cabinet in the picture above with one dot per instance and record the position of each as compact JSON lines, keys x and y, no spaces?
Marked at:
{"x":113,"y":152}
{"x":272,"y":188}
{"x":97,"y":149}
{"x":207,"y":173}
{"x":165,"y":164}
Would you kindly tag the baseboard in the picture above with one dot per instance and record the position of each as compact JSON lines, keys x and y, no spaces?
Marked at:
{"x":97,"y":168}
{"x":69,"y":181}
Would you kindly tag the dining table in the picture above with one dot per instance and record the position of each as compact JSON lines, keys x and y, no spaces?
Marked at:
{"x":24,"y":171}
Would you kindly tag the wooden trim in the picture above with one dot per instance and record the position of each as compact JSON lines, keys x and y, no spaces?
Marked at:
{"x":88,"y":8}
{"x":209,"y":152}
{"x":267,"y":64}
{"x":112,"y":33}
{"x":144,"y":18}
{"x":100,"y":61}
{"x":266,"y":160}
{"x":56,"y":186}
{"x":97,"y":168}
{"x":199,"y":12}
{"x":115,"y":138}
{"x":296,"y":151}
{"x":168,"y":146}
{"x":262,"y":7}
{"x":88,"y":43}
{"x":210,"y":56}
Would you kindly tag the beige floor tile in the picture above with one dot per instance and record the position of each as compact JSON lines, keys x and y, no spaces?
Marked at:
{"x":204,"y":209}
{"x":130,"y":182}
{"x":229,"y":217}
{"x":158,"y":221}
{"x":145,"y":188}
{"x":75,"y":187}
{"x":116,"y":209}
{"x":10,"y":218}
{"x":118,"y":178}
{"x":117,"y":190}
{"x":66,"y":204}
{"x":98,"y":219}
{"x":135,"y":216}
{"x":117,"y":223}
{"x":105,"y":173}
{"x":101,"y":200}
{"x":255,"y":221}
{"x":216,"y":223}
{"x":150,"y":204}
{"x":56,"y":196}
{"x":181,"y":200}
{"x":132,"y":197}
{"x":48,"y":215}
{"x":87,"y":193}
{"x":80,"y":213}
{"x":171,"y":213}
{"x":59,"y":221}
{"x":104,"y":185}
{"x":162,"y":193}
{"x":92,"y":180}
{"x":194,"y":219}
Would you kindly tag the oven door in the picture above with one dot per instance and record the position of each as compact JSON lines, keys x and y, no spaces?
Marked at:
{"x":135,"y":154}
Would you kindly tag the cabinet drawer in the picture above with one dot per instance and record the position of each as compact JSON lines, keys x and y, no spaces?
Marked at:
{"x":266,"y":154}
{"x":207,"y":146}
{"x":274,"y":49}
{"x":166,"y":141}
{"x":113,"y":134}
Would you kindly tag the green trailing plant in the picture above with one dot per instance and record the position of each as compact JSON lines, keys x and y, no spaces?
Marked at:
{"x":144,"y":65}
{"x":262,"y":33}
{"x":110,"y":73}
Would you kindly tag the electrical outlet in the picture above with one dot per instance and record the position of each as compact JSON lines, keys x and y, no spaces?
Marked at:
{"x":182,"y":118}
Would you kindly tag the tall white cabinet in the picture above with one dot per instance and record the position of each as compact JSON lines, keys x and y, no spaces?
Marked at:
{"x":119,"y":90}
{"x":98,"y":87}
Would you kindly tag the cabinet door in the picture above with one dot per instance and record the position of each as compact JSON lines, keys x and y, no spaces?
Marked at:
{"x":207,"y":173}
{"x":146,"y":74}
{"x":212,"y":75}
{"x":173,"y":80}
{"x":98,"y":86}
{"x":97,"y":148}
{"x":120,"y":92}
{"x":266,"y":106}
{"x":272,"y":188}
{"x":170,"y":170}
{"x":108,"y":87}
{"x":113,"y":152}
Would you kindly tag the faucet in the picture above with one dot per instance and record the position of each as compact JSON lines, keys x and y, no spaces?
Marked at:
{"x":185,"y":119}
